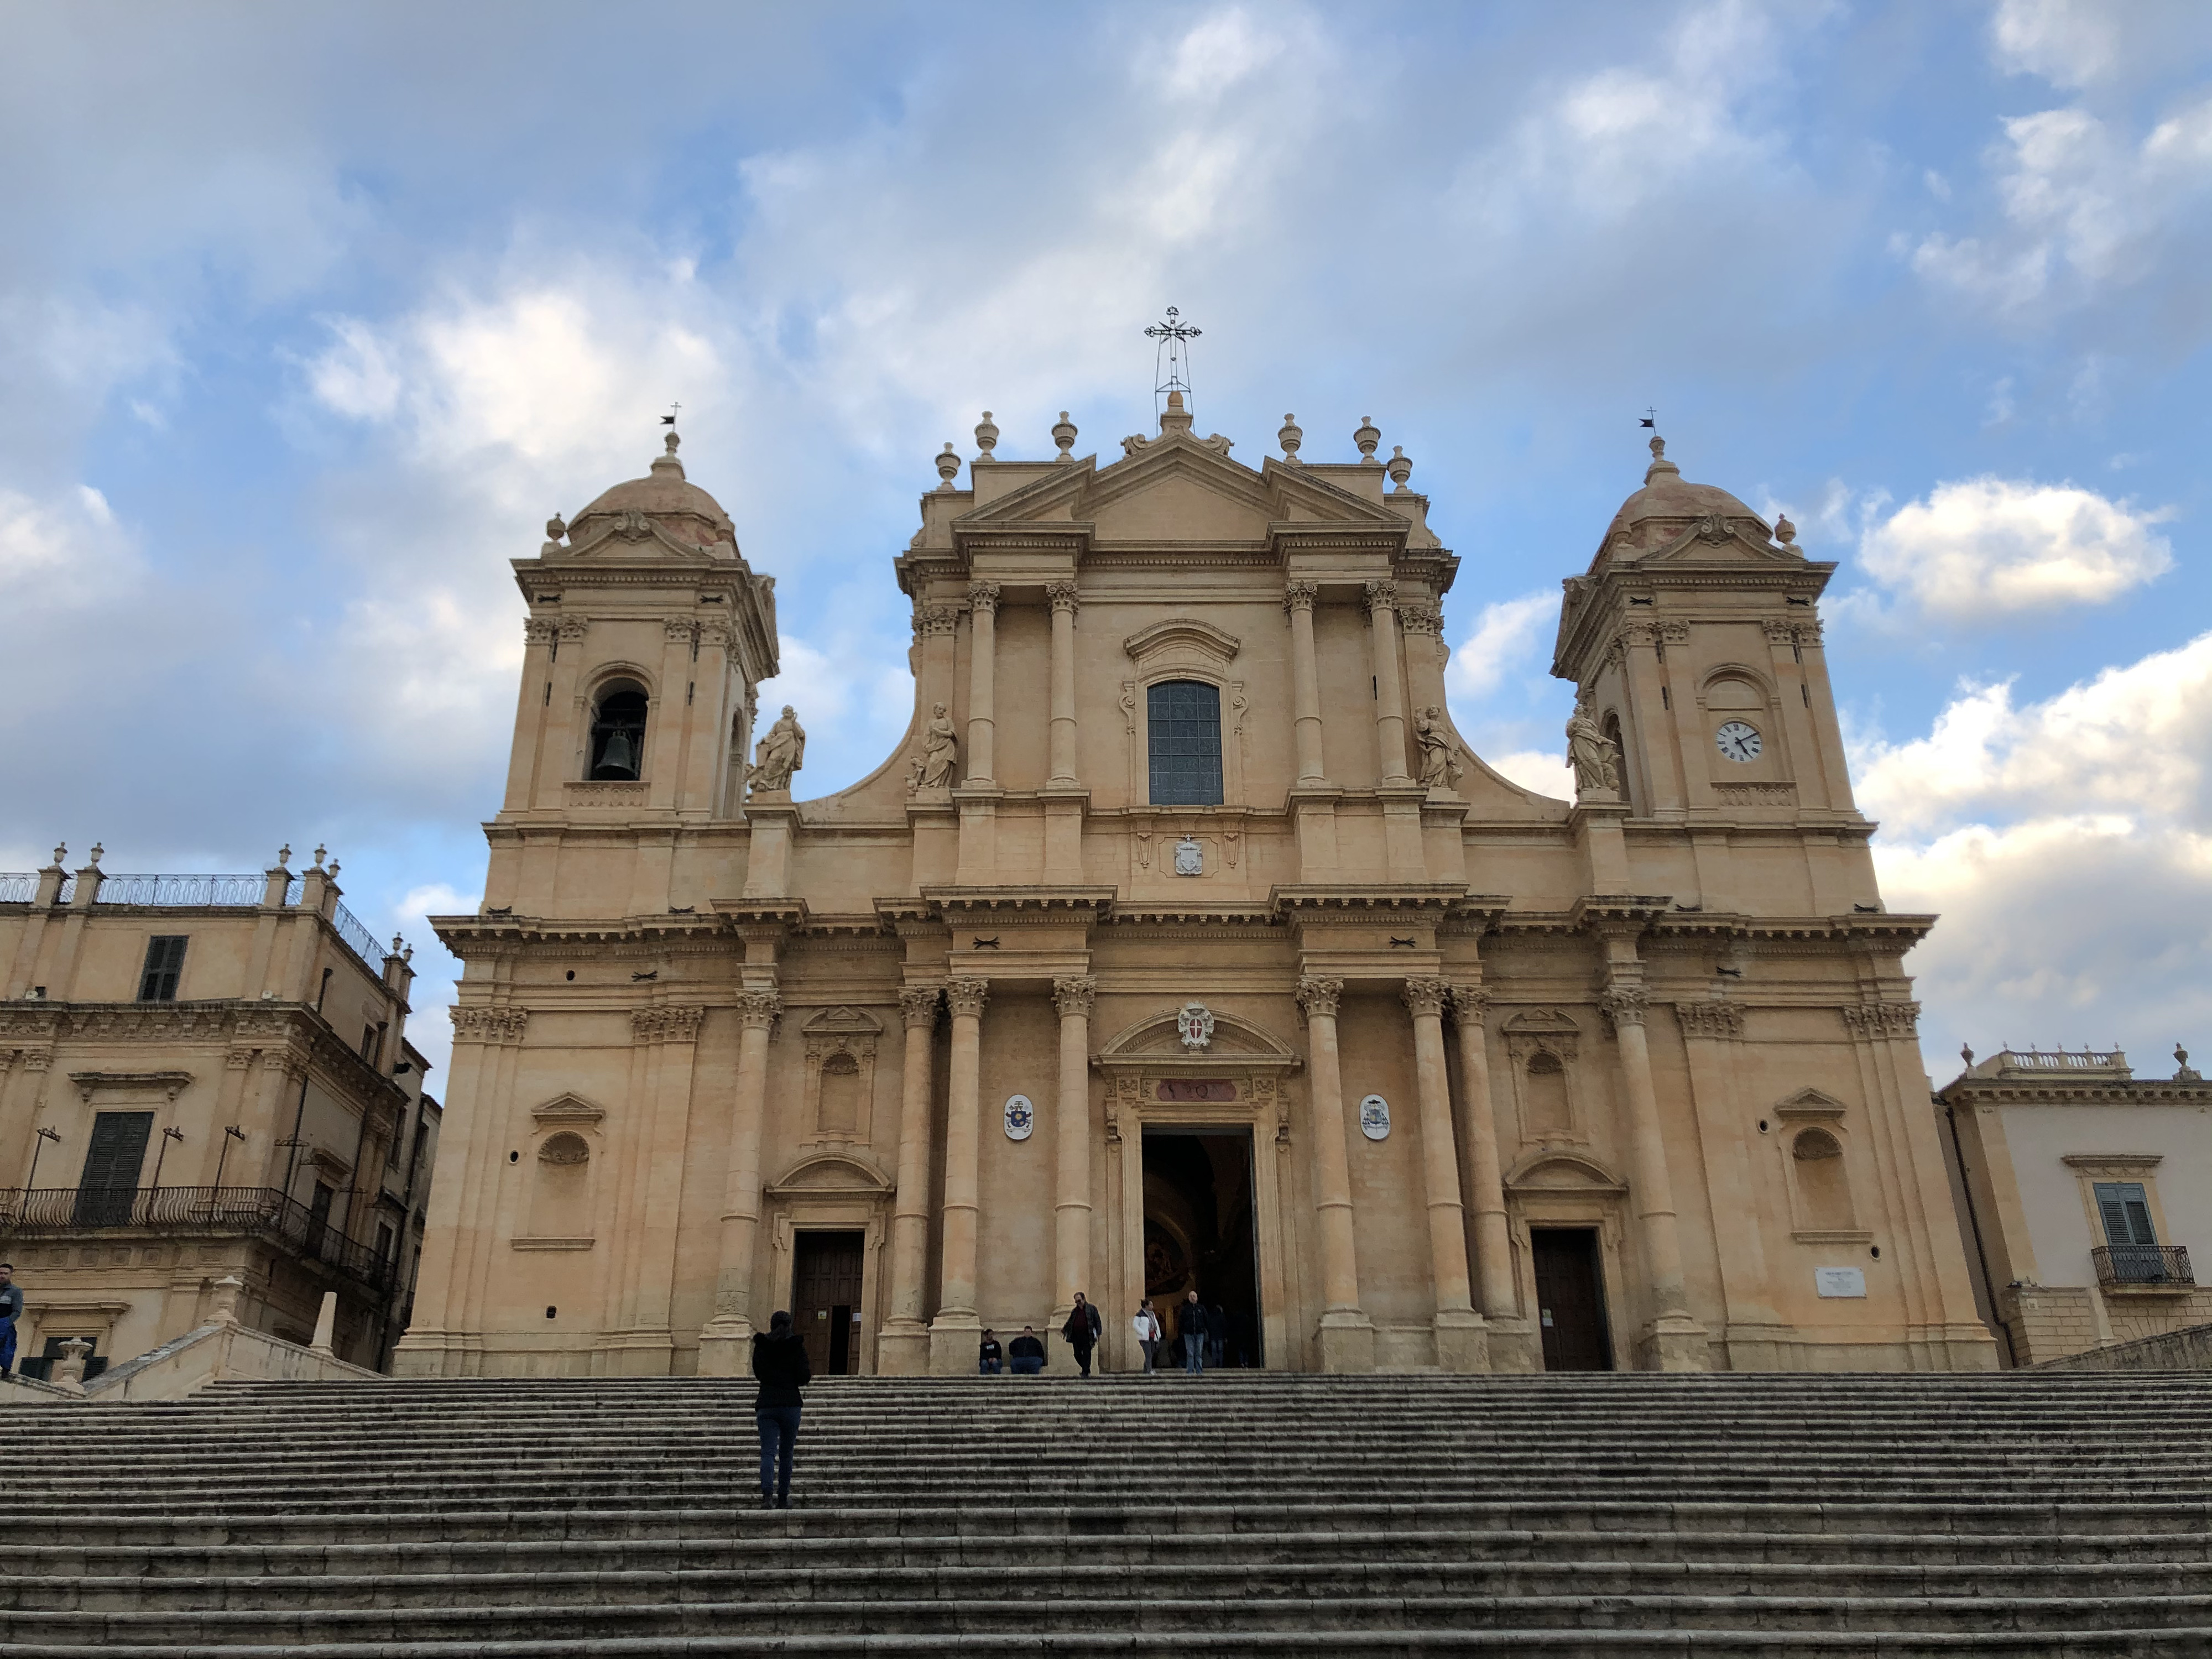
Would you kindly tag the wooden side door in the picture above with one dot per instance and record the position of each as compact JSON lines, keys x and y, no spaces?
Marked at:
{"x":1570,"y":1299}
{"x":825,"y":1300}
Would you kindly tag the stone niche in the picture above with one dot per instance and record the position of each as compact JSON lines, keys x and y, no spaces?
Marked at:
{"x":841,"y":1076}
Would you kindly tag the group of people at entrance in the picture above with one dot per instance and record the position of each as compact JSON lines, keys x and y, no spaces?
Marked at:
{"x":1203,"y":1336}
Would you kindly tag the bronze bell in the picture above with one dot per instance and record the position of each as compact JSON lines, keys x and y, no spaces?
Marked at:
{"x":619,"y":755}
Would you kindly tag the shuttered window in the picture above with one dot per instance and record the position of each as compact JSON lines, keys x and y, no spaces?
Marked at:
{"x":165,"y":964}
{"x":112,"y":1163}
{"x":2126,"y":1210}
{"x":1183,"y":734}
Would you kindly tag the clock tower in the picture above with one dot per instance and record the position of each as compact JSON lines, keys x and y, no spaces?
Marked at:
{"x":1694,"y":642}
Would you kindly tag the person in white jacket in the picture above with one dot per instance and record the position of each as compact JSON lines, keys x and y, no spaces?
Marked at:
{"x":1146,"y":1325}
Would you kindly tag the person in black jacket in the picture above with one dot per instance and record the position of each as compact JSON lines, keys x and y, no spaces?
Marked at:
{"x":780,"y":1361}
{"x":1190,"y":1326}
{"x":1025,"y":1354}
{"x":990,"y":1358}
{"x":1083,"y":1329}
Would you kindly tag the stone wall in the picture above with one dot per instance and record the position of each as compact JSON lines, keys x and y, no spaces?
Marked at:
{"x":2188,"y":1350}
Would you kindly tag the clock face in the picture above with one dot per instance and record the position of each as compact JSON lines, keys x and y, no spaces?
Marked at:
{"x":1738,"y":741}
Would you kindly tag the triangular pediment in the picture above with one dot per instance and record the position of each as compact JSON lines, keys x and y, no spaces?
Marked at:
{"x":568,"y":1108}
{"x":1727,"y":540}
{"x":631,"y":537}
{"x":843,"y":1020}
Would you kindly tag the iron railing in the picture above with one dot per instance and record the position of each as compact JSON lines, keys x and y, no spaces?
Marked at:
{"x":18,"y":886}
{"x":359,"y":939}
{"x":240,"y":890}
{"x":256,"y":1212}
{"x":2121,"y":1265}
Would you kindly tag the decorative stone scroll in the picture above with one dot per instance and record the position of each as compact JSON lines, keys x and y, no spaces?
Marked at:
{"x":1720,"y":1020}
{"x":1872,"y":1020}
{"x":674,"y":1023}
{"x":489,"y":1024}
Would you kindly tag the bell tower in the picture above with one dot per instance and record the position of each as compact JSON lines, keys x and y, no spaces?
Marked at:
{"x":647,"y":635}
{"x":1694,"y":643}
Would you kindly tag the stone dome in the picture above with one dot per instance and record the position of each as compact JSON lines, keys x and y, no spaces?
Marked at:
{"x":665,"y":495}
{"x":1667,"y":494}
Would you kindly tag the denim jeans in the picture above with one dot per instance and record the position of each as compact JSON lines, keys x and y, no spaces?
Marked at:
{"x":7,"y":1345}
{"x":779,"y":1434}
{"x":986,"y":1368}
{"x":1194,"y":1354}
{"x":1027,"y":1367}
{"x":1150,"y":1348}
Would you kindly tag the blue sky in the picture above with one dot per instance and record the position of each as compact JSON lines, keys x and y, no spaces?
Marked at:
{"x":309,"y":318}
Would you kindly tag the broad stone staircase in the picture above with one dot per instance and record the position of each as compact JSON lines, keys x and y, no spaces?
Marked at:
{"x":1237,"y":1513}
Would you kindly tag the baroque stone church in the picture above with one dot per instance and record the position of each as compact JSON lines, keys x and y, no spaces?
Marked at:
{"x":1159,"y":958}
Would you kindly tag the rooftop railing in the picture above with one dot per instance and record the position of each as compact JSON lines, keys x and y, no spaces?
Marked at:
{"x":18,"y":886}
{"x":256,"y":1212}
{"x":2039,"y":1060}
{"x":240,"y":892}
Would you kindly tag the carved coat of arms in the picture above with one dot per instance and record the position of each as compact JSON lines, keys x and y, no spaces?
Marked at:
{"x":1195,"y":1025}
{"x":1375,"y":1117}
{"x":1189,"y":858}
{"x":1021,"y":1117}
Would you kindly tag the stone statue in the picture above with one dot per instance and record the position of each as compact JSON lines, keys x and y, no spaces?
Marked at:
{"x":1439,"y":771}
{"x":941,"y":751}
{"x":778,"y":754}
{"x":1592,"y":753}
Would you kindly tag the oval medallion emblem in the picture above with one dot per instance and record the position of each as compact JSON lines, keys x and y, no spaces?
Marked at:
{"x":1375,"y":1117}
{"x":1021,"y":1117}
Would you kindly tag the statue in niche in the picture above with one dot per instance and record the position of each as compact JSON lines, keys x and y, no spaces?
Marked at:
{"x":940,"y":752}
{"x":1439,"y":769}
{"x":1592,"y":753}
{"x":778,"y":754}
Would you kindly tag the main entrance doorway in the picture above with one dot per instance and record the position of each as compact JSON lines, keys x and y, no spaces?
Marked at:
{"x":1570,"y":1299}
{"x":825,"y":1301}
{"x":1201,"y":1233}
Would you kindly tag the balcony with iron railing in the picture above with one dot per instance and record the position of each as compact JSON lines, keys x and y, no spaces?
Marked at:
{"x":197,"y":892}
{"x":74,"y":1212}
{"x":2143,"y":1267}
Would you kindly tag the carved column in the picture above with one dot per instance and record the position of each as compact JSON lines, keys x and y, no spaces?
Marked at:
{"x":1306,"y":678}
{"x":1072,"y":1119}
{"x":1062,"y":595}
{"x":722,"y":1343}
{"x":1382,"y":600}
{"x":1677,"y":1343}
{"x":982,"y":654}
{"x":1461,"y":1342}
{"x":902,"y":1344}
{"x":1493,"y":1250}
{"x":951,"y":1347}
{"x":1346,"y":1337}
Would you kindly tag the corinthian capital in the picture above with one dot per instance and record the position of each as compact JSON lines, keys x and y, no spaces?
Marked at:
{"x":1425,"y":995}
{"x":540,"y":631}
{"x":758,"y":1011}
{"x":983,"y":598}
{"x":1063,"y":597}
{"x":1623,"y":1005}
{"x":1469,"y":1002}
{"x":1319,"y":997}
{"x":1379,"y":596}
{"x":966,"y":997}
{"x":1299,"y":596}
{"x":1074,"y":997}
{"x":917,"y":1004}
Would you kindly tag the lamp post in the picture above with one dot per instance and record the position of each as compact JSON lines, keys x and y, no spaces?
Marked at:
{"x":230,"y":1132}
{"x":31,"y":1181}
{"x":171,"y":1133}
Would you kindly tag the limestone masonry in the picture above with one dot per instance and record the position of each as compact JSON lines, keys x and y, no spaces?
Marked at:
{"x":1182,"y":944}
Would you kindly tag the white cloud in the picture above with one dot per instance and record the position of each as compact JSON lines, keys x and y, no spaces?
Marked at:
{"x":1991,"y":546}
{"x":1545,"y":773}
{"x":1218,"y":52}
{"x":2069,"y":42}
{"x":60,"y":554}
{"x":1505,"y":636}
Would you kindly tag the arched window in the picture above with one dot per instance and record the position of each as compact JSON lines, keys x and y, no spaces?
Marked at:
{"x":1824,"y":1193}
{"x":1548,"y":1113}
{"x":618,"y":733}
{"x":556,"y":1201}
{"x":1183,"y":721}
{"x":839,"y":1104}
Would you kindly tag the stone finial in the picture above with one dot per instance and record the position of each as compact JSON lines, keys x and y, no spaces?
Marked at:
{"x":68,"y":1370}
{"x":1661,"y":466}
{"x":1398,"y":466}
{"x":673,"y":443}
{"x":395,"y":943}
{"x":284,"y":856}
{"x":320,"y":855}
{"x":61,"y":852}
{"x":334,"y":869}
{"x":1966,"y":1053}
{"x":948,"y":465}
{"x":2185,"y":1074}
{"x":1290,"y":438}
{"x":1368,"y":437}
{"x":987,"y":438}
{"x":1658,"y":447}
{"x":1063,"y":435}
{"x":1784,"y":531}
{"x":93,"y":856}
{"x":1177,"y":416}
{"x":222,"y":1299}
{"x":557,"y":527}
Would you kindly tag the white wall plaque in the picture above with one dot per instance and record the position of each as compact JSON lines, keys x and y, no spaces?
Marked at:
{"x":1839,"y":1281}
{"x":1375,"y":1118}
{"x":1021,"y":1117}
{"x":1189,"y":858}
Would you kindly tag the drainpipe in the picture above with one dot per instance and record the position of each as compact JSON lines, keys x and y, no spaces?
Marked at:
{"x":1974,"y":1226}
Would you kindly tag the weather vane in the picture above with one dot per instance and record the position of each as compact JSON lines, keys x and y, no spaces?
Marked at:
{"x":1651,"y":419}
{"x":669,"y":419}
{"x":1171,"y":362}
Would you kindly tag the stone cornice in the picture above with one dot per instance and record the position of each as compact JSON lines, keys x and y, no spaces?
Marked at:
{"x":1020,"y":904}
{"x":1318,"y":899}
{"x":2080,"y":1092}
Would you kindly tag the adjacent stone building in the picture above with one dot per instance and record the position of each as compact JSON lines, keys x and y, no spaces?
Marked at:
{"x":1182,"y":943}
{"x":205,"y":1079}
{"x":2081,"y":1189}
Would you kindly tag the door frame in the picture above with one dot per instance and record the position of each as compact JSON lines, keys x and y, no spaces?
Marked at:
{"x":831,"y":1193}
{"x":1558,"y":1189}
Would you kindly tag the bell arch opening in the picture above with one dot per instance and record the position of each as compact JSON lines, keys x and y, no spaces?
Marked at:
{"x":618,"y":718}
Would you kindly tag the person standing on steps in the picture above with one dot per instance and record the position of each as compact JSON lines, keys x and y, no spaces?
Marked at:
{"x":1190,"y":1327}
{"x":1083,"y":1329}
{"x":1217,"y":1335}
{"x":11,"y":1310}
{"x":1026,"y":1353}
{"x":1146,"y":1325}
{"x":991,"y":1358}
{"x":780,"y":1365}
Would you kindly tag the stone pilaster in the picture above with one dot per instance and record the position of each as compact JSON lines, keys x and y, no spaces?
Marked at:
{"x":1299,"y":599}
{"x":1381,"y":600}
{"x":1462,"y":1343}
{"x":1672,"y":1340}
{"x":1346,"y":1336}
{"x":724,"y":1344}
{"x":953,"y":1333}
{"x":902,"y":1344}
{"x":1072,"y":1128}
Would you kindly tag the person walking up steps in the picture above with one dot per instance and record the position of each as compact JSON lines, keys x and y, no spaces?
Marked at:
{"x":1190,"y":1327}
{"x":11,"y":1310}
{"x":779,"y":1363}
{"x":1146,"y":1325}
{"x":1083,"y":1329}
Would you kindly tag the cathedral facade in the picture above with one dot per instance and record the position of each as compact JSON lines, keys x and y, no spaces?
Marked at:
{"x":1158,"y":958}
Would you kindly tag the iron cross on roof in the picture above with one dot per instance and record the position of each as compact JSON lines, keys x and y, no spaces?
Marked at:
{"x":1171,"y":361}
